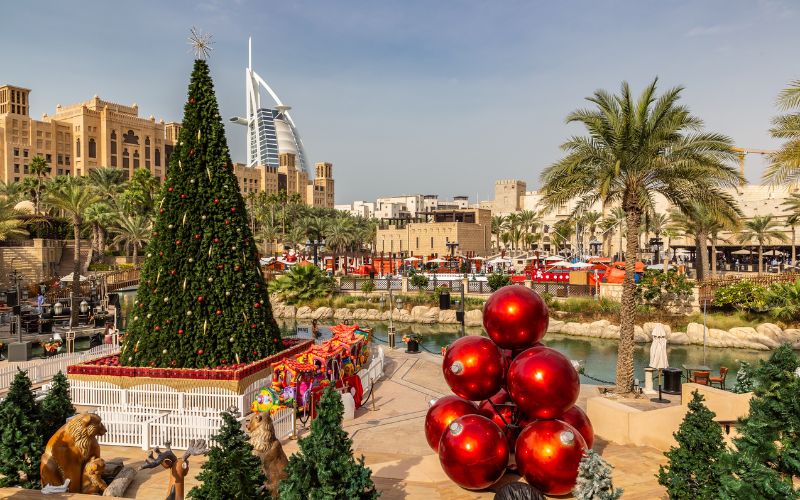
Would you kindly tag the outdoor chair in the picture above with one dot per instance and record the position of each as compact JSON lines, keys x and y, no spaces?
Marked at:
{"x":723,"y":372}
{"x":701,"y":377}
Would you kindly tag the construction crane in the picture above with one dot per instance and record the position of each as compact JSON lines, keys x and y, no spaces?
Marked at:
{"x":743,"y":152}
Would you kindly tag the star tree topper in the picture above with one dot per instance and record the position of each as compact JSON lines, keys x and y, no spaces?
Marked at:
{"x":201,"y":43}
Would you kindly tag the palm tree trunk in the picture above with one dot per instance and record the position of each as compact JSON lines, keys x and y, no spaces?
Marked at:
{"x":760,"y":258}
{"x":701,"y":251}
{"x":627,"y":313}
{"x":794,"y":256}
{"x":76,"y":272}
{"x":713,"y":256}
{"x":620,"y":242}
{"x":101,"y":242}
{"x":135,"y":255}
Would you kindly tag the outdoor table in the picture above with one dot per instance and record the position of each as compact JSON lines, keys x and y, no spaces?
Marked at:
{"x":695,"y":368}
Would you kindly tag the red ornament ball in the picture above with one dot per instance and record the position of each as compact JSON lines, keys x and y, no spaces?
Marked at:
{"x":199,"y":298}
{"x":254,"y":326}
{"x":543,"y":384}
{"x":216,"y":240}
{"x":180,"y":332}
{"x":236,"y":267}
{"x":219,"y":312}
{"x":473,"y":368}
{"x":191,"y":100}
{"x":233,"y":209}
{"x":577,"y":418}
{"x":199,"y":352}
{"x":441,"y":413}
{"x":157,"y":328}
{"x":257,"y":305}
{"x":161,"y":211}
{"x":548,"y":453}
{"x":197,"y":236}
{"x":170,"y":189}
{"x":173,"y":272}
{"x":502,"y":414}
{"x":227,"y":222}
{"x":178,"y":242}
{"x":515,"y":317}
{"x":473,"y":452}
{"x":216,"y":200}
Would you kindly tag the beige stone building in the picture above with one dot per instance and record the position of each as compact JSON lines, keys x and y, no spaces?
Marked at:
{"x":318,"y":192}
{"x":97,"y":133}
{"x":80,"y":137}
{"x":470,"y":228}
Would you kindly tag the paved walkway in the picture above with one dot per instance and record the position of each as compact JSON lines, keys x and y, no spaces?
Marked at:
{"x":392,"y":440}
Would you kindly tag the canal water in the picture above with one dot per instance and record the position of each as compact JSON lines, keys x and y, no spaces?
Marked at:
{"x":599,"y":356}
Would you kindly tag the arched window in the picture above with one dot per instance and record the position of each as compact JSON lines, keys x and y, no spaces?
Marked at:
{"x":92,"y":148}
{"x":158,"y":157}
{"x":113,"y":142}
{"x":147,"y":148}
{"x":125,"y":159}
{"x":130,"y":138}
{"x":78,"y":147}
{"x":136,"y":159}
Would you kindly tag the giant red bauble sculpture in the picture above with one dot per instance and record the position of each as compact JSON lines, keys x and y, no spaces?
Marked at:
{"x":473,"y":368}
{"x":515,"y":317}
{"x":501,"y":414}
{"x":548,"y":453}
{"x":543,"y":384}
{"x":577,"y":418}
{"x":473,"y":452}
{"x":441,"y":413}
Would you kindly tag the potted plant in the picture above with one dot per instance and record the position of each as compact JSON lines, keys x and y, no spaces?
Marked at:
{"x":412,"y":341}
{"x":51,"y":347}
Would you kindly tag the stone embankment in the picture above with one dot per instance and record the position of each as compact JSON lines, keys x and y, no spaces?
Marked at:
{"x":764,"y":337}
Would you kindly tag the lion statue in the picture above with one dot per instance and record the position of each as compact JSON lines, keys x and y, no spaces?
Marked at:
{"x":70,"y":449}
{"x":267,"y":448}
{"x":92,"y":482}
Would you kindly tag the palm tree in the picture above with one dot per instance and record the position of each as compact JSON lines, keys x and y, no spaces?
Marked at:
{"x":12,"y":191}
{"x":73,"y":198}
{"x":763,"y":229}
{"x":528,"y":219}
{"x":702,"y":223}
{"x":132,"y":231}
{"x":634,"y":150}
{"x":100,"y":216}
{"x":498,"y":226}
{"x":108,"y":182}
{"x":785,"y":163}
{"x":267,"y":233}
{"x":39,"y":168}
{"x":338,"y":237}
{"x":792,"y":205}
{"x":10,"y":225}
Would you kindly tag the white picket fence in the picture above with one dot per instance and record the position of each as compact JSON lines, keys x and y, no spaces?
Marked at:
{"x":149,"y":415}
{"x":147,"y":427}
{"x":43,"y":370}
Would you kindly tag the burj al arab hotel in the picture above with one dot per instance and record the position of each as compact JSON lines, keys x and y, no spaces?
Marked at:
{"x":270,"y":130}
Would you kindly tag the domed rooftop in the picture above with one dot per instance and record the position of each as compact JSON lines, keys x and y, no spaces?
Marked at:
{"x":26,"y":206}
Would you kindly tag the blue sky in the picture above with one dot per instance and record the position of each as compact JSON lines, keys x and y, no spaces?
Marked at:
{"x":411,"y":96}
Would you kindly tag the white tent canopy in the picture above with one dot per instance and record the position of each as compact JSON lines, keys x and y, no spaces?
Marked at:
{"x":658,"y":349}
{"x":555,"y":257}
{"x":580,"y":265}
{"x":499,"y":260}
{"x":412,"y":259}
{"x":437,"y":261}
{"x":560,"y":263}
{"x":70,"y":277}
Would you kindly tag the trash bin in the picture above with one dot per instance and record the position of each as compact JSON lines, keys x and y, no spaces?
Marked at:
{"x":672,"y":380}
{"x":444,"y":300}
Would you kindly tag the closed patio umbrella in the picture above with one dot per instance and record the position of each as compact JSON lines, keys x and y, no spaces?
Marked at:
{"x":658,"y":350}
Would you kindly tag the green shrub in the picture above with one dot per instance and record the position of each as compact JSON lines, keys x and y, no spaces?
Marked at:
{"x":743,"y":296}
{"x":302,"y":283}
{"x":419,"y":281}
{"x":658,"y":287}
{"x":783,"y":301}
{"x":100,"y":266}
{"x":498,"y":281}
{"x":368,"y":286}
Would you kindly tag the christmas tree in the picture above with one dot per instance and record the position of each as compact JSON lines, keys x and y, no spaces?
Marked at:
{"x":744,"y":379}
{"x":693,"y":470}
{"x":232,"y":471}
{"x":324,"y":467}
{"x":56,"y":407}
{"x":767,"y":450}
{"x":202,"y":301}
{"x":20,"y":436}
{"x":594,"y":479}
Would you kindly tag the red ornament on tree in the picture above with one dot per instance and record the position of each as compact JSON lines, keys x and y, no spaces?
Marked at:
{"x":473,"y":452}
{"x":473,"y":368}
{"x":157,"y":328}
{"x":543,"y":384}
{"x":216,"y":200}
{"x":227,"y":222}
{"x":254,"y":326}
{"x":197,"y":236}
{"x":177,"y":242}
{"x":548,"y":453}
{"x":233,"y":209}
{"x":170,"y":189}
{"x":199,"y":352}
{"x":199,"y":298}
{"x":257,"y":305}
{"x":441,"y":413}
{"x":577,"y":418}
{"x":515,"y":317}
{"x":180,"y":332}
{"x":219,"y":312}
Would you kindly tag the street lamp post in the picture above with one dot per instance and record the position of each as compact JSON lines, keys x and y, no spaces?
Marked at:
{"x":19,"y":350}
